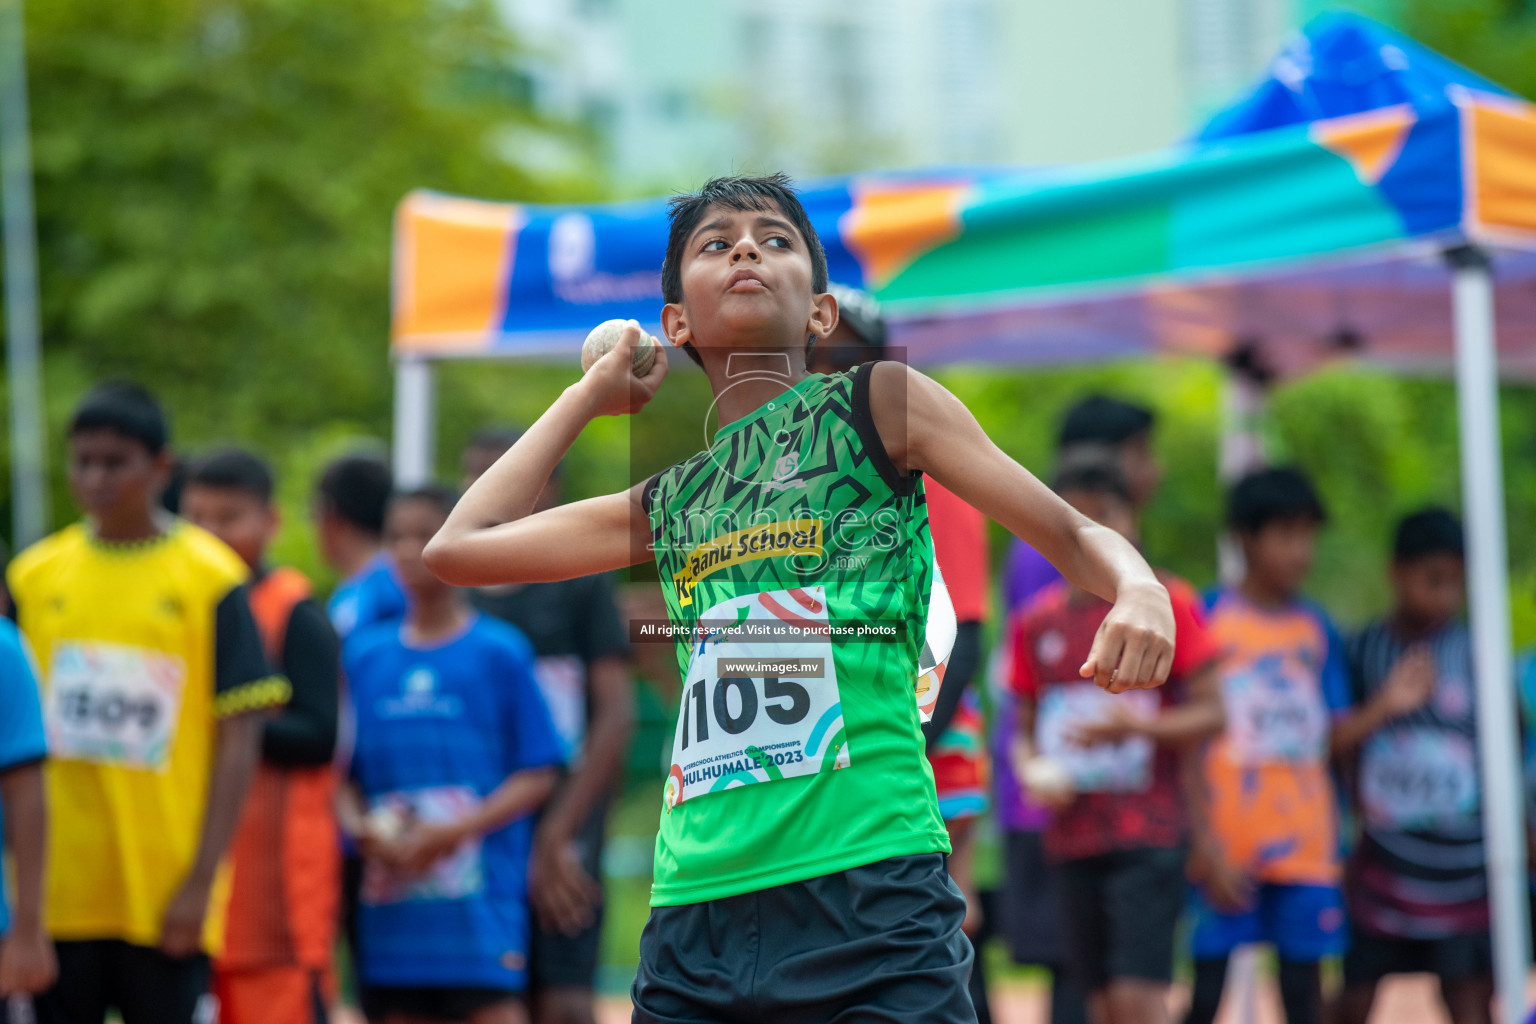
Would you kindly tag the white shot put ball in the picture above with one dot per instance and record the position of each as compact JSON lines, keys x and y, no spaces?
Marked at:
{"x":1046,"y":777}
{"x":606,"y":335}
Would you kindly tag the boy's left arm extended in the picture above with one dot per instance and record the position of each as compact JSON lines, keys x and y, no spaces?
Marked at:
{"x":926,"y":428}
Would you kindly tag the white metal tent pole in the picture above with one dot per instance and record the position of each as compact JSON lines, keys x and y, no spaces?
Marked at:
{"x":24,"y":370}
{"x":1240,"y":451}
{"x":1482,"y":482}
{"x":414,"y":442}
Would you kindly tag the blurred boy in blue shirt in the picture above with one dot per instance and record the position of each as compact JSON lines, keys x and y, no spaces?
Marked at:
{"x":27,"y":964}
{"x":349,"y":519}
{"x":454,"y":752}
{"x":349,"y":503}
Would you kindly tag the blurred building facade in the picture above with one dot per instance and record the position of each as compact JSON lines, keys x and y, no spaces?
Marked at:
{"x":672,"y":91}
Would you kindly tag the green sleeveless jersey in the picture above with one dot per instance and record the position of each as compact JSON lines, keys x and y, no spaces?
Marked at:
{"x":796,"y":563}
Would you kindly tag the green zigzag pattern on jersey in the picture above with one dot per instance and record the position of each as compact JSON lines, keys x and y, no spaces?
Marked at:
{"x":839,"y":473}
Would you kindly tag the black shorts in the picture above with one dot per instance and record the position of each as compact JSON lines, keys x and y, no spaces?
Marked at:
{"x":1453,"y":958}
{"x":143,"y":984}
{"x":439,"y":1003}
{"x":557,"y":960}
{"x":1029,"y":902}
{"x":1119,"y":912}
{"x":880,"y":942}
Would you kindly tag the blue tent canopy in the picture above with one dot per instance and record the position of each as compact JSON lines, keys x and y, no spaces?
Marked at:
{"x":1342,"y":64}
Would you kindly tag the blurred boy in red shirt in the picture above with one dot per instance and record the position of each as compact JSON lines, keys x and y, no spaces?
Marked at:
{"x":1110,"y":766}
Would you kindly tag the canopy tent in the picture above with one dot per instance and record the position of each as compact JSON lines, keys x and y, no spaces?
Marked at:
{"x":1352,"y":204}
{"x":1311,"y":213}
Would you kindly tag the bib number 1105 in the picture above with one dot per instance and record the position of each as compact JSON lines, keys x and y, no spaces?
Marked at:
{"x":741,"y":724}
{"x":735,"y":705}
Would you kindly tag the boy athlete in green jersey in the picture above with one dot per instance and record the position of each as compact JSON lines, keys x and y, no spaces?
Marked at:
{"x":800,"y":868}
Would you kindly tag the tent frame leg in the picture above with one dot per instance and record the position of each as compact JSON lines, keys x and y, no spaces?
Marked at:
{"x":1244,"y":405}
{"x":1477,"y":396}
{"x":415,"y":417}
{"x":23,"y":349}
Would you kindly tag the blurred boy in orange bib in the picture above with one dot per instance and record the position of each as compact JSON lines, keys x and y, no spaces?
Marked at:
{"x":276,"y":963}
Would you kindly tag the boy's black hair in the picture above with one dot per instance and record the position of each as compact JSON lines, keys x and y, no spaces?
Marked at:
{"x":1429,"y":531}
{"x":124,"y":408}
{"x":1099,"y":419}
{"x":1093,"y":470}
{"x":233,"y":469}
{"x":357,"y":488}
{"x":735,"y":192}
{"x":1273,"y":495}
{"x":439,"y":496}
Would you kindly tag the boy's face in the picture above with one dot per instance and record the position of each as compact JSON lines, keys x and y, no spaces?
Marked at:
{"x":746,"y":277}
{"x":328,"y":530}
{"x":407,"y":528}
{"x":243,"y":521}
{"x":1430,"y":590}
{"x":1280,"y":553}
{"x":1106,"y":509}
{"x":1141,"y":467}
{"x":113,"y":476}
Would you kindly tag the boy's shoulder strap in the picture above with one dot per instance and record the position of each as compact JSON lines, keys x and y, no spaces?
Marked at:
{"x":864,"y":424}
{"x":648,"y":491}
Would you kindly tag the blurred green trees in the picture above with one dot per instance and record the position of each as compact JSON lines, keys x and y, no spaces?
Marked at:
{"x":215,"y":184}
{"x":1496,"y":38}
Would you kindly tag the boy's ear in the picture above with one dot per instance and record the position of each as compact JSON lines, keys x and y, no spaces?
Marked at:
{"x":674,"y":323}
{"x":274,"y":521}
{"x":824,"y":316}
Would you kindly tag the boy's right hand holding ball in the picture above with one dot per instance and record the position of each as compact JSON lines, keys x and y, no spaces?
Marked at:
{"x":610,"y":385}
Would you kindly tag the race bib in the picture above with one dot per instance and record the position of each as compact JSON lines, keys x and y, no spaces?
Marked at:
{"x":1124,"y":766}
{"x":563,"y":682}
{"x":1274,"y":716}
{"x":760,"y":701}
{"x":113,"y":703}
{"x":453,"y":877}
{"x":1418,"y":778}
